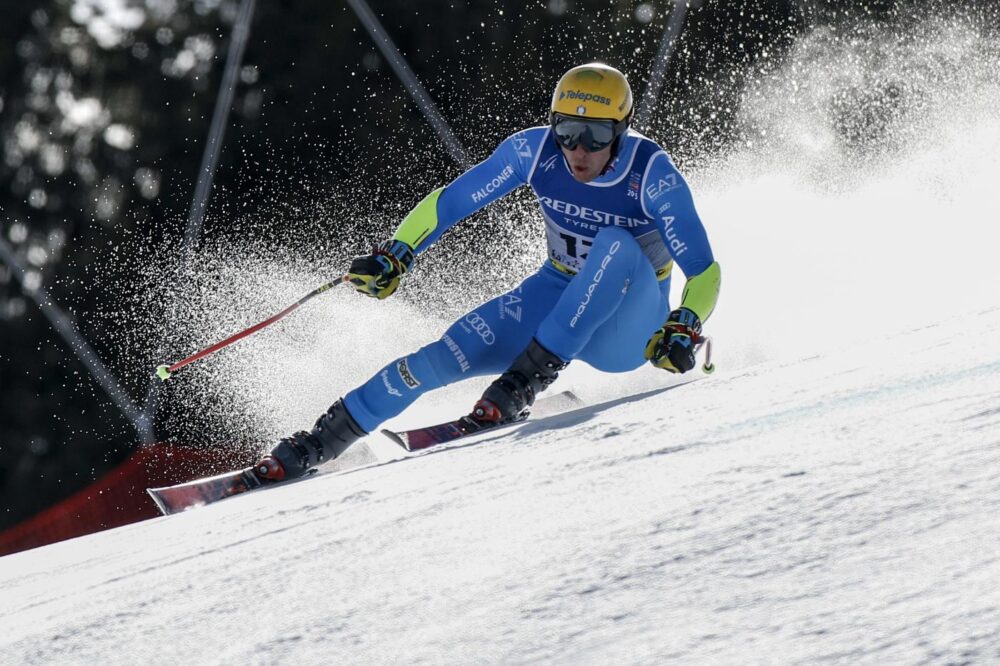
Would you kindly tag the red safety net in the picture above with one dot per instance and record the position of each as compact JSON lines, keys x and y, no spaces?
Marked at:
{"x":119,"y":497}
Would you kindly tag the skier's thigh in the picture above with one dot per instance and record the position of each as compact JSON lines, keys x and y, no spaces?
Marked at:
{"x":492,"y":335}
{"x":618,"y":344}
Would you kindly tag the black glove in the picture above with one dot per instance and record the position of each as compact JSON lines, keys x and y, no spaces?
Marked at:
{"x":378,"y":274}
{"x":673,"y":346}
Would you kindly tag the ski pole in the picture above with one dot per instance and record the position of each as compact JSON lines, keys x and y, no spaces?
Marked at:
{"x":164,"y":372}
{"x":707,"y":367}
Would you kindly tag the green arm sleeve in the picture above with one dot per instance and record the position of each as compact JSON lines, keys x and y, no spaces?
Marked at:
{"x":420,"y":222}
{"x":702,"y":291}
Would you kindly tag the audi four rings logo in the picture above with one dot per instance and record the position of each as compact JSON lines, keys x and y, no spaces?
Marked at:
{"x":480,"y":326}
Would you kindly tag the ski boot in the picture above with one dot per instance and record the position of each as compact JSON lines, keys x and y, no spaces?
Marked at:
{"x":515,"y":390}
{"x":293,"y":456}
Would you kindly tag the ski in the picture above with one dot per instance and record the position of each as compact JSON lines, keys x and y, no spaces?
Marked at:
{"x":184,"y":496}
{"x":442,"y":433}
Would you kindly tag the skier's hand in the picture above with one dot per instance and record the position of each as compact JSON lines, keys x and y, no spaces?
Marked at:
{"x":673,"y":346}
{"x":378,"y":273}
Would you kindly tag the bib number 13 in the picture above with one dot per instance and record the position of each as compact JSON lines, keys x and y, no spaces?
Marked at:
{"x":576,"y":246}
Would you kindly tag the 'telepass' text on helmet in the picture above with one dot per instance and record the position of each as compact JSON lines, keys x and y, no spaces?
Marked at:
{"x":593,"y":90}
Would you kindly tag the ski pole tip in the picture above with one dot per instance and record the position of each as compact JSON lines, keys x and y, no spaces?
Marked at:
{"x":708,"y":368}
{"x":163,"y":372}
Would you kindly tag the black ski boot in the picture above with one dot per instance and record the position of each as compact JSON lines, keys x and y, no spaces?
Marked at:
{"x":293,"y":456}
{"x":515,"y":390}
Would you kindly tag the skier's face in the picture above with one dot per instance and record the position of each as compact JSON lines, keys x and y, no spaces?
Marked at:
{"x":585,"y":166}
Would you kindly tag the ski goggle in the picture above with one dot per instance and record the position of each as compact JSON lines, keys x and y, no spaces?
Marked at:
{"x":593,"y":135}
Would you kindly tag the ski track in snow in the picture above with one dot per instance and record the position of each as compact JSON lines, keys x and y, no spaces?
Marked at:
{"x":841,"y":509}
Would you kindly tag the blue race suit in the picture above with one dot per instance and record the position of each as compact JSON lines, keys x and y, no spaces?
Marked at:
{"x":602,"y":292}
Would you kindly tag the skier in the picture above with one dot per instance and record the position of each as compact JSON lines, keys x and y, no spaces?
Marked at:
{"x":617,"y":214}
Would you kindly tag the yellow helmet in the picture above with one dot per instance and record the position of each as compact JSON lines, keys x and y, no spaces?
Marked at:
{"x":593,"y":90}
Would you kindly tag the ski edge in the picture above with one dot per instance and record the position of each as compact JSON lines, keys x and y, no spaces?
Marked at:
{"x":207,"y":490}
{"x":546,"y":406}
{"x":212,"y":489}
{"x":154,"y":493}
{"x":397,"y":437}
{"x":457,"y":429}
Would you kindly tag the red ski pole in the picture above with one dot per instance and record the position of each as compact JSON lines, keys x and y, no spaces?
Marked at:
{"x":164,"y":372}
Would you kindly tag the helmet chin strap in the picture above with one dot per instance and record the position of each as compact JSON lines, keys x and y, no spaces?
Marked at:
{"x":616,"y":146}
{"x":614,"y":153}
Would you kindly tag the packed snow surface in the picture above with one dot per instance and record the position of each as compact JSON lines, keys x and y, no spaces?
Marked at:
{"x":830,"y":495}
{"x":841,"y":508}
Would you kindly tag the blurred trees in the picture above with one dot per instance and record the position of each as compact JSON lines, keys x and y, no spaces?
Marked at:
{"x":103,"y":111}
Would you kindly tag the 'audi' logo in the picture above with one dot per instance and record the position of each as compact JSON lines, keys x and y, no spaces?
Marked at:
{"x":480,"y":326}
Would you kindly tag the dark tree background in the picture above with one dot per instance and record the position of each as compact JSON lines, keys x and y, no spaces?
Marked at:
{"x":105,"y":109}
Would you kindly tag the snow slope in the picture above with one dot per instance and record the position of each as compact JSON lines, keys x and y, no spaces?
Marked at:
{"x":830,"y":495}
{"x":839,"y":509}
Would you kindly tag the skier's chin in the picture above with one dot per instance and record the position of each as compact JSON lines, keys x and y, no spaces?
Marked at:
{"x":584,"y":174}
